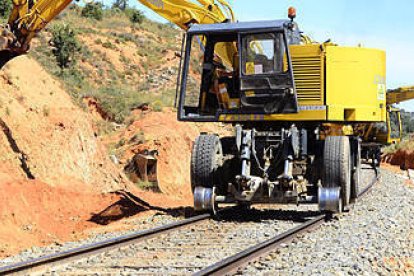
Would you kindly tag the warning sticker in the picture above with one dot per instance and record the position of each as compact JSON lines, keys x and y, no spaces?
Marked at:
{"x":382,"y":90}
{"x":258,"y":69}
{"x":250,"y":68}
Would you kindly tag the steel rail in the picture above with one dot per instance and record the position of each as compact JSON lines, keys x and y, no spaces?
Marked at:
{"x":238,"y":260}
{"x":368,"y":188}
{"x":61,"y":258}
{"x":233,"y":263}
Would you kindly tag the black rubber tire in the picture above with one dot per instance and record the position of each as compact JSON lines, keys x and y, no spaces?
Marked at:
{"x":337,"y":166}
{"x":206,"y":161}
{"x":356,"y":174}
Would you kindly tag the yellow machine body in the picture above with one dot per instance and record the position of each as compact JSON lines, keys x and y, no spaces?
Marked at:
{"x":334,"y":84}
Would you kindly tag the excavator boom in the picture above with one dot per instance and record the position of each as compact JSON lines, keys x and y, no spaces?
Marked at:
{"x":400,"y":95}
{"x":29,"y":17}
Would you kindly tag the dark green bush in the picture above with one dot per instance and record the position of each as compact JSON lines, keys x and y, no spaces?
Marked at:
{"x":136,"y":16}
{"x":5,"y":8}
{"x":65,"y":45}
{"x":93,"y":10}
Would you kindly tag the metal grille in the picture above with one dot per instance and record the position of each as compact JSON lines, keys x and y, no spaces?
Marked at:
{"x":309,"y":78}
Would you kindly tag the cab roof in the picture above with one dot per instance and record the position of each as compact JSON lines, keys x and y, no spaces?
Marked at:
{"x":238,"y":26}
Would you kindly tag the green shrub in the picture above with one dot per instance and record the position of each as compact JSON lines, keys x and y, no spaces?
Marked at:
{"x":135,"y":16}
{"x":5,"y":8}
{"x":108,"y":45}
{"x":93,"y":10}
{"x":65,"y":45}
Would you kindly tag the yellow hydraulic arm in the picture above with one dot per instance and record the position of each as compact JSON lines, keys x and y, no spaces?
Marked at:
{"x":29,"y":17}
{"x":400,"y":95}
{"x":184,"y":12}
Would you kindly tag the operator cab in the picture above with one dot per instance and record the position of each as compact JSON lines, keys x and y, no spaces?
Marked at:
{"x":237,"y":68}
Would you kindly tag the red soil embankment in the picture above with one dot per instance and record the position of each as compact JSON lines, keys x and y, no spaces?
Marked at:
{"x":34,"y":213}
{"x":56,"y":177}
{"x":402,"y":158}
{"x":173,"y":140}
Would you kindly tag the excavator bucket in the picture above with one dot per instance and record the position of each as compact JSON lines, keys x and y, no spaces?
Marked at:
{"x":6,"y":38}
{"x":143,"y":168}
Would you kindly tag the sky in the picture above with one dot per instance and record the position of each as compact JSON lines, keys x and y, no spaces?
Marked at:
{"x":383,"y":24}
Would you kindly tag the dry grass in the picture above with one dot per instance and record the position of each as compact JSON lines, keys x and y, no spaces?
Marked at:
{"x":118,"y":86}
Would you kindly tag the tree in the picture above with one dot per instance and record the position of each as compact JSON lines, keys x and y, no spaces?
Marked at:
{"x":5,"y":8}
{"x":65,"y":45}
{"x":93,"y":10}
{"x":120,"y":4}
{"x":407,"y":120}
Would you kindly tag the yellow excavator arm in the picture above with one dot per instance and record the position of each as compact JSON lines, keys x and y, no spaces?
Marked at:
{"x":29,"y":17}
{"x":400,"y":95}
{"x":183,"y":13}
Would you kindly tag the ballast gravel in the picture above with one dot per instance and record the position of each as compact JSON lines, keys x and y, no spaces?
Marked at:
{"x":375,"y":238}
{"x":187,"y":250}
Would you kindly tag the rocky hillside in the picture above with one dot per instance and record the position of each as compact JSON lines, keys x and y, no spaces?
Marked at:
{"x":119,"y":63}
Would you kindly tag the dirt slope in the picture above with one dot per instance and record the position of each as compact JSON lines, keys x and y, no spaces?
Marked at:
{"x":173,"y":140}
{"x":45,"y":136}
{"x":55,"y":173}
{"x":400,"y":155}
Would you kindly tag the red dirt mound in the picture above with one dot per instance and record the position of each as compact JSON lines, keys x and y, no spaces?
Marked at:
{"x":173,"y":140}
{"x":402,"y":158}
{"x":33,"y":213}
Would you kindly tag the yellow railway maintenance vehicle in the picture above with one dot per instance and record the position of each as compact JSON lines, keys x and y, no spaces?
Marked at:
{"x":304,"y":114}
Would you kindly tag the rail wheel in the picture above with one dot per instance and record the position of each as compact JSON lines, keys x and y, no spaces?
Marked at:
{"x":335,"y":193}
{"x":206,"y":164}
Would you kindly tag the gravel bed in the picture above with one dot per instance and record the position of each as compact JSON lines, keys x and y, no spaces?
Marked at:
{"x":375,"y":238}
{"x":138,"y":224}
{"x":190,"y":249}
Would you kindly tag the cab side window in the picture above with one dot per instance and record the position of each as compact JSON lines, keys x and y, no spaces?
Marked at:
{"x":395,"y":125}
{"x":260,"y":54}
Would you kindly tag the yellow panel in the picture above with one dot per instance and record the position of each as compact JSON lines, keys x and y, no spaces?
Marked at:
{"x":355,"y":84}
{"x":303,"y":115}
{"x":308,"y":69}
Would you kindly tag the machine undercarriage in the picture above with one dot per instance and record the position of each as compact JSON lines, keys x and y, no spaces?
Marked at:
{"x":269,"y":165}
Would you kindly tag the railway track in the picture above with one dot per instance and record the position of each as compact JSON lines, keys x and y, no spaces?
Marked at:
{"x":43,"y":263}
{"x":240,"y":260}
{"x":190,"y":243}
